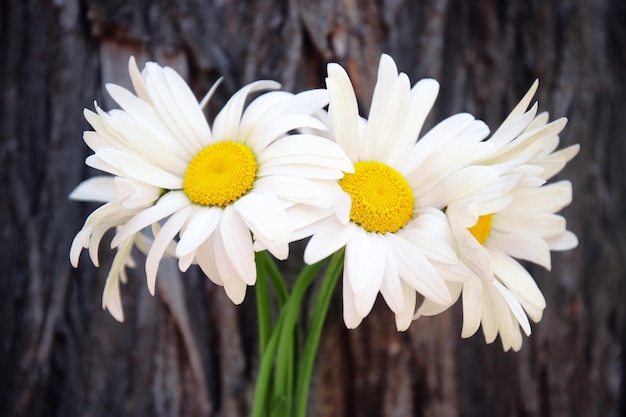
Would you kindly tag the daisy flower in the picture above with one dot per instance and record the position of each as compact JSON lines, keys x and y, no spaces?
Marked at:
{"x":515,"y":217}
{"x":116,"y":211}
{"x":388,"y":215}
{"x":209,"y":193}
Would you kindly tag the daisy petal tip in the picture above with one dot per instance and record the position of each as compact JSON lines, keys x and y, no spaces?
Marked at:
{"x":310,"y":257}
{"x":429,"y":83}
{"x":151,"y":277}
{"x":116,"y":312}
{"x":469,"y":331}
{"x":402,"y":325}
{"x":334,"y":69}
{"x":352,"y":322}
{"x":235,"y":292}
{"x":386,"y":59}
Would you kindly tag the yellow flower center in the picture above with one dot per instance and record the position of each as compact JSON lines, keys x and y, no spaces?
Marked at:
{"x":220,"y":174}
{"x":482,"y":229}
{"x":382,"y":200}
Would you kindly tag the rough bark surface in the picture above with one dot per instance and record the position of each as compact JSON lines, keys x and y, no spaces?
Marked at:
{"x":188,"y":351}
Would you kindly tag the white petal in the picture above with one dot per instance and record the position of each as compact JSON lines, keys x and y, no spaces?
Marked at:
{"x":132,"y":166}
{"x":167,"y":96}
{"x":472,"y":306}
{"x":515,"y":306}
{"x":111,"y":297}
{"x":342,"y":204}
{"x":521,"y":246}
{"x":438,"y":136}
{"x":185,"y":261}
{"x":302,"y":144}
{"x":421,"y":100}
{"x":523,"y":104}
{"x":137,"y":80}
{"x":385,"y":121}
{"x":296,"y":190}
{"x":365,"y":261}
{"x":267,"y":105}
{"x":458,"y":185}
{"x":350,"y":316}
{"x":136,"y":195}
{"x":238,"y":245}
{"x":161,"y":241}
{"x":381,"y":100}
{"x":306,"y":220}
{"x":189,"y":107}
{"x":157,"y":145}
{"x":139,"y":110}
{"x":510,"y":129}
{"x":263,"y":112}
{"x":417,"y":271}
{"x":303,"y":170}
{"x":549,"y":198}
{"x":430,"y":308}
{"x":517,"y":279}
{"x":343,"y":111}
{"x":168,"y":204}
{"x":235,"y":290}
{"x":566,"y":241}
{"x":234,"y":286}
{"x":199,"y":227}
{"x":391,"y":288}
{"x":431,"y":233}
{"x":329,"y":239}
{"x":540,"y":224}
{"x":99,"y":188}
{"x":554,"y":163}
{"x":226,"y":124}
{"x":103,"y":218}
{"x":306,"y":102}
{"x":209,"y":94}
{"x":472,"y":253}
{"x":405,"y":317}
{"x":80,"y":241}
{"x":260,"y":138}
{"x":261,"y":211}
{"x":508,"y":327}
{"x":206,"y":259}
{"x":490,"y":319}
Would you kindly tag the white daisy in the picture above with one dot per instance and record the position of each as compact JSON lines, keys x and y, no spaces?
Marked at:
{"x":511,"y":218}
{"x":389,"y":218}
{"x":219,"y":188}
{"x":121,"y":205}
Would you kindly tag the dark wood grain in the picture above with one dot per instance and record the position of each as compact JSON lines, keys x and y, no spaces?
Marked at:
{"x":188,"y":351}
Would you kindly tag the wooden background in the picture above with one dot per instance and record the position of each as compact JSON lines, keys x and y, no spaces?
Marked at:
{"x":190,"y":352}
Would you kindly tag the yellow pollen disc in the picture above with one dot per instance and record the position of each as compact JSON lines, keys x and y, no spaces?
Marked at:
{"x":382,"y":200}
{"x":220,"y":174}
{"x":482,"y":229}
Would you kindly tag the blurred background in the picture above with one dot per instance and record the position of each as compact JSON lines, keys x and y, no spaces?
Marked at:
{"x":188,"y":351}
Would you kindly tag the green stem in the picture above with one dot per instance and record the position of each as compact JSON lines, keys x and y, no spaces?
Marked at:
{"x":262,"y":303}
{"x":282,"y":293}
{"x":328,"y":285}
{"x":285,"y":358}
{"x":261,"y":393}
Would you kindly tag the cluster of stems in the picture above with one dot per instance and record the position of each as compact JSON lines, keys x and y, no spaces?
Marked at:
{"x":286,"y":365}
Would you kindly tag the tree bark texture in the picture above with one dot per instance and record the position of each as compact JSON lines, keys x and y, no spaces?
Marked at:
{"x":188,"y":351}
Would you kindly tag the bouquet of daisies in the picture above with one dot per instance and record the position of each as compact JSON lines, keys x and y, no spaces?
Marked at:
{"x":423,"y":218}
